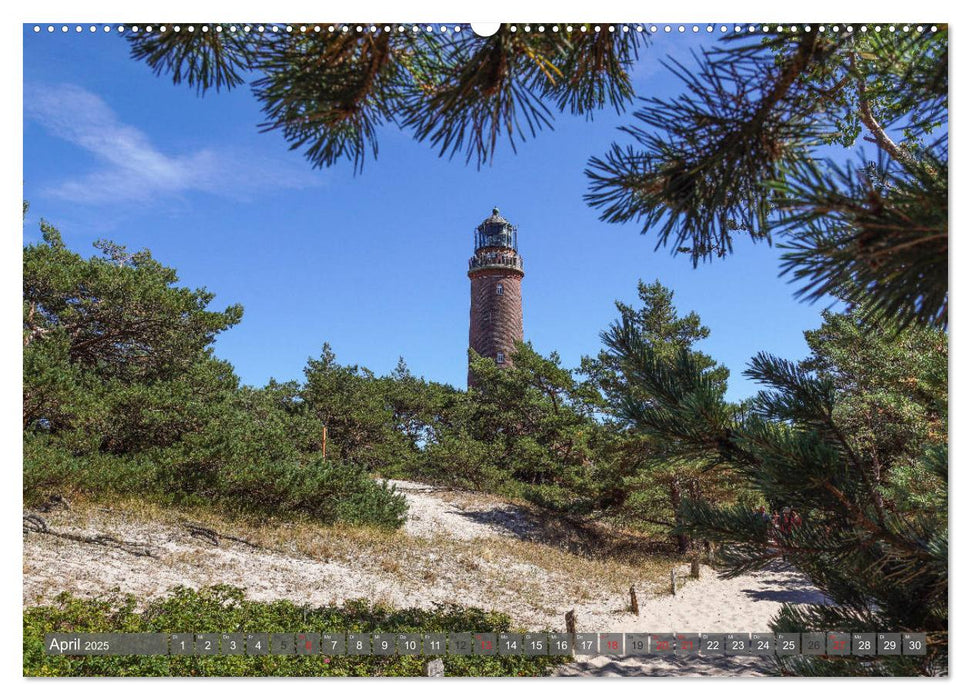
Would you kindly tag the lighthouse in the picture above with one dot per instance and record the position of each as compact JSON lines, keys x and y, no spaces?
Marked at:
{"x":496,"y":273}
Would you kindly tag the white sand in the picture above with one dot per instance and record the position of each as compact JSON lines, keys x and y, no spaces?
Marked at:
{"x":431,"y":514}
{"x":530,"y":594}
{"x":742,"y":604}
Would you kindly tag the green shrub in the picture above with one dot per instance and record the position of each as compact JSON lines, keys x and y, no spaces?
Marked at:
{"x":224,"y":609}
{"x":327,"y":492}
{"x":49,"y":467}
{"x":555,"y":498}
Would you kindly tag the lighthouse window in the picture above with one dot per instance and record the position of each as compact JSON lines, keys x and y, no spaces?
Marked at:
{"x":499,"y":288}
{"x":500,"y":357}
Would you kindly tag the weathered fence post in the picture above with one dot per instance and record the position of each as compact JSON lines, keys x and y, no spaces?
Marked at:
{"x":696,"y":565}
{"x":435,"y":668}
{"x":674,"y":583}
{"x":633,"y":602}
{"x":571,"y":622}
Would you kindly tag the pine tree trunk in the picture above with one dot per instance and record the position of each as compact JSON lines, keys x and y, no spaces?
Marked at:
{"x":683,"y":540}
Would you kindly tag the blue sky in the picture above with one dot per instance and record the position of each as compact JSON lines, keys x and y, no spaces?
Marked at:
{"x":374,"y":264}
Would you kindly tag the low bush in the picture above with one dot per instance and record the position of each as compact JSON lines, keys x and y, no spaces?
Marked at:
{"x":327,"y":492}
{"x":223,"y":609}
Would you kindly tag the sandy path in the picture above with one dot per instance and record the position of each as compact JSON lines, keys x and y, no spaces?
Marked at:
{"x":434,"y":511}
{"x":450,"y":547}
{"x":743,"y":604}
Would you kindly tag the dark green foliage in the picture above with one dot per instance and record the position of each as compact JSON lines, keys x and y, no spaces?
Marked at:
{"x":119,"y":314}
{"x":123,"y":395}
{"x":817,"y":439}
{"x":457,"y":459}
{"x":738,"y":153}
{"x":224,"y":609}
{"x":204,"y":60}
{"x":474,"y":91}
{"x":50,"y":467}
{"x":657,"y":321}
{"x":116,"y":356}
{"x":328,"y":492}
{"x":535,"y":415}
{"x":524,"y":430}
{"x":379,"y":422}
{"x":348,"y":400}
{"x":893,"y":403}
{"x":635,"y":483}
{"x":329,"y":92}
{"x":418,"y":408}
{"x":703,"y":158}
{"x":848,"y":233}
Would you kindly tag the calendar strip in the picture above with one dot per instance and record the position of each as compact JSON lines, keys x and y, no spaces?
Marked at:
{"x":491,"y":644}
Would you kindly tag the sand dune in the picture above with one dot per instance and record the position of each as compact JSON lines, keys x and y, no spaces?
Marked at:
{"x":466,"y":549}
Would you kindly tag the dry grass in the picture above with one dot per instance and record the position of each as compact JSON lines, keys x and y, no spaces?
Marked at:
{"x":561,"y":564}
{"x":597,"y":554}
{"x":510,"y":558}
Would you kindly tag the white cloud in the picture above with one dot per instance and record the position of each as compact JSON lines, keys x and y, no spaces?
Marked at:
{"x":132,"y":169}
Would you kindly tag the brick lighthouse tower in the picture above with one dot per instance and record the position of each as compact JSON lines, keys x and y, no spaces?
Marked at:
{"x":496,"y":272}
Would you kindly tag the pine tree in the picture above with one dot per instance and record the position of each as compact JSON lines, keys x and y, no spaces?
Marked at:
{"x":737,"y":153}
{"x":845,"y":436}
{"x":634,"y":487}
{"x":740,"y":152}
{"x":537,"y":419}
{"x":329,"y":88}
{"x":806,"y":442}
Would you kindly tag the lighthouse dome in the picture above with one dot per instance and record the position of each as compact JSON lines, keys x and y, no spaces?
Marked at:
{"x":495,"y":232}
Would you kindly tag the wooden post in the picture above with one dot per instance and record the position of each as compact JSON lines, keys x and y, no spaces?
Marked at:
{"x":571,"y":622}
{"x":435,"y":668}
{"x":323,"y":443}
{"x":674,"y":583}
{"x":633,"y":602}
{"x":696,"y":565}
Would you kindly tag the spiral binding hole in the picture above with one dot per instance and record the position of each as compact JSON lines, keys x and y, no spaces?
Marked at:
{"x":512,"y":28}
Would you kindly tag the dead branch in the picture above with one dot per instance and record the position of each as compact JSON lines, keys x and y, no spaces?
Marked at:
{"x":213,"y":537}
{"x":36,"y":524}
{"x":53,"y":502}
